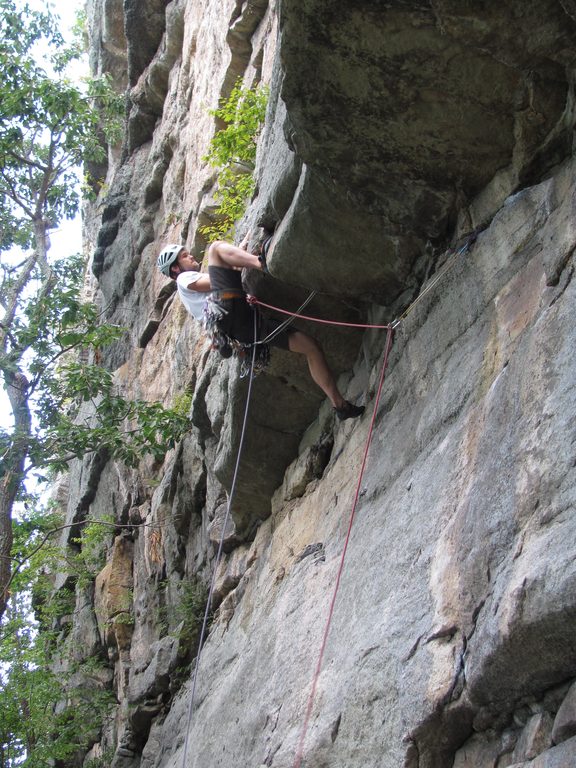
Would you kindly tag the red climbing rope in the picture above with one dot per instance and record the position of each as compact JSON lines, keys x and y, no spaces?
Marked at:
{"x":254,"y":300}
{"x":300,"y":748}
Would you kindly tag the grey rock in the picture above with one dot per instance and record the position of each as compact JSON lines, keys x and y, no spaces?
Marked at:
{"x":565,"y":720}
{"x":219,"y":531}
{"x":561,"y":756}
{"x":381,"y":84}
{"x":144,"y":25}
{"x":316,"y":551}
{"x":155,"y":679}
{"x":535,"y":737}
{"x":479,"y":752}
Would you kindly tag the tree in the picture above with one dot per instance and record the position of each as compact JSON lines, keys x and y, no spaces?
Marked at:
{"x":52,"y":707}
{"x":63,"y":403}
{"x":45,"y":719}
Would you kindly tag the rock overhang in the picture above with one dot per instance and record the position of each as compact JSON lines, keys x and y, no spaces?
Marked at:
{"x":400,"y":114}
{"x":386,"y":120}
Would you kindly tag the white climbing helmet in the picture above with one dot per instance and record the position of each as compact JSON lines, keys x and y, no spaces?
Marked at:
{"x":167,"y":257}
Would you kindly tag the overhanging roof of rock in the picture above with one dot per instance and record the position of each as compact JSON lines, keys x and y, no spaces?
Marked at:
{"x":411,"y":108}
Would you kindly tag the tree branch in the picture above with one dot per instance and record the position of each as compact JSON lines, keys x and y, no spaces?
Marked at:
{"x":36,"y":380}
{"x":67,"y":526}
{"x":12,"y":300}
{"x":14,"y":196}
{"x":25,"y":160}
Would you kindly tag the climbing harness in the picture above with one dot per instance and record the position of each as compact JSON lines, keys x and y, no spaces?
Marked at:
{"x":219,"y":551}
{"x":215,"y":313}
{"x":214,"y":316}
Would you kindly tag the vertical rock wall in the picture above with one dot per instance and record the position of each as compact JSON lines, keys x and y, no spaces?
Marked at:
{"x":452,"y":641}
{"x":392,"y":128}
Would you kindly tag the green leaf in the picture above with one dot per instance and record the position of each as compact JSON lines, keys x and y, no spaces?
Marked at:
{"x":232,"y":147}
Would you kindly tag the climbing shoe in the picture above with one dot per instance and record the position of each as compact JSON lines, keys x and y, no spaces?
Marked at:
{"x":264,"y":251}
{"x":349,"y":411}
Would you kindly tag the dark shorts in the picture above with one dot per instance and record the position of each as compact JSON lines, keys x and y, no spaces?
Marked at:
{"x":238,"y":322}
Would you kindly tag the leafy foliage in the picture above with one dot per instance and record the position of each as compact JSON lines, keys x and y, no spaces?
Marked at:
{"x":45,"y":717}
{"x":233,"y":152}
{"x":48,"y":125}
{"x":183,"y":609}
{"x":48,"y":717}
{"x":243,"y":113}
{"x":64,"y":403}
{"x":181,"y":614}
{"x":76,"y":403}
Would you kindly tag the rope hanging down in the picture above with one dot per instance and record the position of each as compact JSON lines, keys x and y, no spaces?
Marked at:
{"x":389,"y":338}
{"x":220,"y":550}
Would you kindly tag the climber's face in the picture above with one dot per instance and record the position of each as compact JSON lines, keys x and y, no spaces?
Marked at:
{"x":184,"y":263}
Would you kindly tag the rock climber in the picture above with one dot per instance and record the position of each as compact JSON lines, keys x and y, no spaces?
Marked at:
{"x":218,"y":300}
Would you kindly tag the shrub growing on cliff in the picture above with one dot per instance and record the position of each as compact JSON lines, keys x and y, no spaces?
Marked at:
{"x":182,"y":609}
{"x":233,"y":153}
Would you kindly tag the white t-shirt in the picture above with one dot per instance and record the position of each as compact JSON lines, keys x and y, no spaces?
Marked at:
{"x":193,"y":300}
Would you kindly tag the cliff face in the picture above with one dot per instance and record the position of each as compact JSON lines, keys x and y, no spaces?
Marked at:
{"x":392,"y":130}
